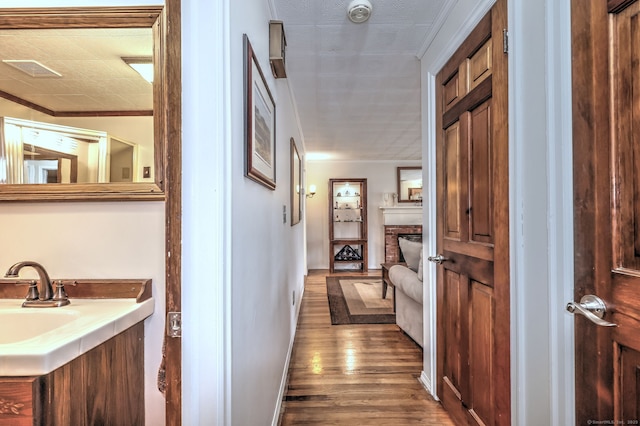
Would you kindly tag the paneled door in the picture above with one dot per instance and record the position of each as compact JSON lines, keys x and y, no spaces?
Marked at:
{"x":472,"y":228}
{"x":606,"y":146}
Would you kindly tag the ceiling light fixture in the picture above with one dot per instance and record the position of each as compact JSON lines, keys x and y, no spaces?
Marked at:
{"x":359,"y":11}
{"x":143,"y":65}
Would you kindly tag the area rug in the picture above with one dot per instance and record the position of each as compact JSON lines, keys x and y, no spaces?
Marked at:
{"x":355,"y":300}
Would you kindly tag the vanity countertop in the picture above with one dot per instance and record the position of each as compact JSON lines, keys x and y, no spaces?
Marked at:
{"x":36,"y":341}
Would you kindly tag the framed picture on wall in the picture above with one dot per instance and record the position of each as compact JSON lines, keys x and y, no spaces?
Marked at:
{"x":296,"y":184}
{"x":260,"y":122}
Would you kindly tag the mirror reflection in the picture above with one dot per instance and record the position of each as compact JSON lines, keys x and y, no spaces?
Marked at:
{"x":409,"y":184}
{"x":73,"y":108}
{"x":38,"y":153}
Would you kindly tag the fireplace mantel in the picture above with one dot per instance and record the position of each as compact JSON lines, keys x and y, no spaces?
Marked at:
{"x":402,"y":215}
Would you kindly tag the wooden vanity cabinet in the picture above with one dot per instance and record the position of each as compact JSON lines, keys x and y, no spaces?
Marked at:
{"x":104,"y":386}
{"x":20,"y":400}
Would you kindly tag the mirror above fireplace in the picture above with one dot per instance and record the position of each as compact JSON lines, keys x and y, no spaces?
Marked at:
{"x":409,"y":181}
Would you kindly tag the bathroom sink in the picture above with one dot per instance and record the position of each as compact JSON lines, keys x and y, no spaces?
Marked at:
{"x":36,"y":341}
{"x":22,"y":324}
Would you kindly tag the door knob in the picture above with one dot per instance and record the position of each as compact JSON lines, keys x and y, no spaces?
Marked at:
{"x":591,"y":307}
{"x":437,"y":259}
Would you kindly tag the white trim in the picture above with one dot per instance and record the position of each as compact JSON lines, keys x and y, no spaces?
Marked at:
{"x":469,"y":24}
{"x":516,"y":349}
{"x":429,"y":213}
{"x":540,"y":212}
{"x":287,"y":362}
{"x":225,"y":205}
{"x":294,"y":105}
{"x":425,"y":381}
{"x":206,"y":384}
{"x":561,"y":251}
{"x":272,"y":9}
{"x":438,"y":23}
{"x":333,"y":160}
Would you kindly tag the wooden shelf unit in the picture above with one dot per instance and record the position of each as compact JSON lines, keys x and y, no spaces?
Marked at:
{"x":348,"y":243}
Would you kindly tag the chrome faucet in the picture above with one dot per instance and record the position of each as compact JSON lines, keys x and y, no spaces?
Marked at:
{"x":42,"y":297}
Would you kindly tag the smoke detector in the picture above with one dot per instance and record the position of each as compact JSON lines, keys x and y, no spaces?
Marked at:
{"x":359,"y":11}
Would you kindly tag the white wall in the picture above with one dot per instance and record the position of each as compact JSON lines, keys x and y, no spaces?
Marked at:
{"x":95,"y":240}
{"x":241,"y":263}
{"x":381,"y":178}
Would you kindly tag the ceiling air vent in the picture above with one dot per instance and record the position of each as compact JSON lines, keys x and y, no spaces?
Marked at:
{"x":33,"y":68}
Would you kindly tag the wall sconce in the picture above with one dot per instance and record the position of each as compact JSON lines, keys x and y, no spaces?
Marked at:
{"x":277,"y":47}
{"x":311,"y":192}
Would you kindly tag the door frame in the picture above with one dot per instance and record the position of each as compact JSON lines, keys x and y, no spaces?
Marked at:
{"x":172,"y":350}
{"x":206,"y":214}
{"x":542,"y":214}
{"x":540,"y":207}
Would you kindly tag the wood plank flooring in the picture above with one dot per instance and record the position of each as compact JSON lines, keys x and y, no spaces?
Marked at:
{"x":353,"y":374}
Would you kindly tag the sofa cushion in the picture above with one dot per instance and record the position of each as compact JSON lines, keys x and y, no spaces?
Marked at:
{"x":420,"y":271}
{"x":411,"y":252}
{"x":406,"y":280}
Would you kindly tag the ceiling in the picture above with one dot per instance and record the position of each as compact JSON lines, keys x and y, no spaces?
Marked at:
{"x":93,"y":76}
{"x":357,"y":86}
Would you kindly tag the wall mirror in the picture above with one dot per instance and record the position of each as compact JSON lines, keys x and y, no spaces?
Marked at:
{"x":82,"y":114}
{"x":409,"y":184}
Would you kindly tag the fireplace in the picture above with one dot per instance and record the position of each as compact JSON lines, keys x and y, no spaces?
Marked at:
{"x":392,"y":233}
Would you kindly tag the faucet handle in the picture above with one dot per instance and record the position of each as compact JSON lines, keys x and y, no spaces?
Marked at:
{"x":59,"y":293}
{"x":32,"y":294}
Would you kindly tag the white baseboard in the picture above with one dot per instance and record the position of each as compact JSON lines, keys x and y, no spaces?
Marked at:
{"x":426,"y":383}
{"x":285,"y":370}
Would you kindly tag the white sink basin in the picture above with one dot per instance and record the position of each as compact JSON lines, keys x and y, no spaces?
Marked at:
{"x":35,"y":341}
{"x":22,"y":324}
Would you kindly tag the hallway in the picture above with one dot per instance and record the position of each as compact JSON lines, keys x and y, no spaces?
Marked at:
{"x":353,"y":374}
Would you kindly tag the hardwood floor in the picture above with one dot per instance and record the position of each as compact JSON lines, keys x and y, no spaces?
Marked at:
{"x":353,"y":374}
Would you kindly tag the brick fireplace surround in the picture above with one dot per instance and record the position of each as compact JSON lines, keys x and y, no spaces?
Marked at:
{"x":391,"y":233}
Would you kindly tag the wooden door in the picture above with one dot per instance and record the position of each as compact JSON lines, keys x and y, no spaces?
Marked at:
{"x":472,"y":228}
{"x":606,"y":144}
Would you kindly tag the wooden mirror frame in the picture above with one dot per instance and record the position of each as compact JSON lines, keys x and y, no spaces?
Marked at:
{"x":101,"y":17}
{"x":402,"y":199}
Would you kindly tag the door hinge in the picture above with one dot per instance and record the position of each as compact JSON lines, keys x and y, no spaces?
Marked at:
{"x":174,"y":324}
{"x":505,"y":41}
